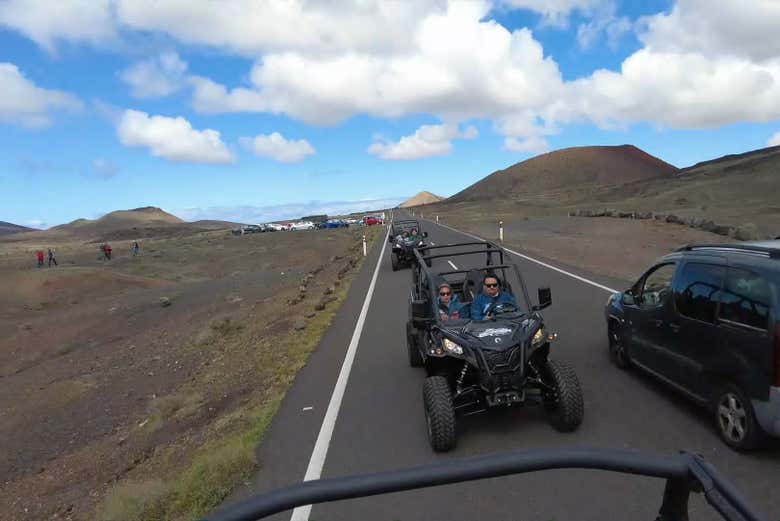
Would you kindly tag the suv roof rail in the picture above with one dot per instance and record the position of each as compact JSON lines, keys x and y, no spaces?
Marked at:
{"x":751,"y":249}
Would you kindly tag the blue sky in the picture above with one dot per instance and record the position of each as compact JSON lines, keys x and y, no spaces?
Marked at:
{"x":254,"y":111}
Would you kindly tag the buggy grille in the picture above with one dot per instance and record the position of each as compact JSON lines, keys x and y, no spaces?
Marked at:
{"x":499,"y":361}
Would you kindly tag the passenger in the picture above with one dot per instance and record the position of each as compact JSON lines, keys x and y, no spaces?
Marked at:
{"x":413,"y":237}
{"x":450,"y":308}
{"x":491,"y":295}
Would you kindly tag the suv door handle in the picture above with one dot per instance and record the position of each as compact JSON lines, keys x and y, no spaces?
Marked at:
{"x":674,"y":327}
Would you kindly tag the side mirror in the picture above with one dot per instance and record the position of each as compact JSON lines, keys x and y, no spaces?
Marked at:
{"x":425,"y":234}
{"x":421,"y":310}
{"x":545,"y":299}
{"x":628,"y":299}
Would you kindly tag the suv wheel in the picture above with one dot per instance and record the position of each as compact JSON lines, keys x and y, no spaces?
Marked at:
{"x":617,"y":349}
{"x":415,"y":358}
{"x":439,"y":413}
{"x":564,"y":406}
{"x":735,"y":419}
{"x":394,"y":261}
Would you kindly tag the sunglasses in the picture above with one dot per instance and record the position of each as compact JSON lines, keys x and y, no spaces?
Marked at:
{"x":491,"y":285}
{"x":444,"y":293}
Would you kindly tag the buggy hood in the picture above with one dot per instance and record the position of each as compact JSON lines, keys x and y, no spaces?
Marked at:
{"x":499,"y":334}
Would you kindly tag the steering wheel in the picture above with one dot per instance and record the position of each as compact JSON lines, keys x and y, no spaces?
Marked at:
{"x":500,"y":307}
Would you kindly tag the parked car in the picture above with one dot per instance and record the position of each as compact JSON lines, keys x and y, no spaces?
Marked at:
{"x":333,"y":224}
{"x":706,"y":321}
{"x":303,"y":225}
{"x":371,"y":220}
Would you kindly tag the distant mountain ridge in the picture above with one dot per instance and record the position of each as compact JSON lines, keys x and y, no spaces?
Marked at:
{"x":421,"y":198}
{"x":7,"y":228}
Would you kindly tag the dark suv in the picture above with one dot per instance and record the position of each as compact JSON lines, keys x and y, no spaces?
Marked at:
{"x":706,"y":320}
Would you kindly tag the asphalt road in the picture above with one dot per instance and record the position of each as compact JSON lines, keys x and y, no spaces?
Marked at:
{"x":381,"y":426}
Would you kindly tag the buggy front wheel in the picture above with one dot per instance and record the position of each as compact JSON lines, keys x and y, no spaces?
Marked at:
{"x":439,"y":413}
{"x":394,"y":261}
{"x":563,"y":403}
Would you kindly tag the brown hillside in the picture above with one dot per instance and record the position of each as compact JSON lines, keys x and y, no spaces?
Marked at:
{"x":568,"y":168}
{"x":7,"y":228}
{"x":421,"y":198}
{"x":147,"y":217}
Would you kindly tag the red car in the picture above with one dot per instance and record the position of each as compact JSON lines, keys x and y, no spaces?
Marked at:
{"x":371,"y":220}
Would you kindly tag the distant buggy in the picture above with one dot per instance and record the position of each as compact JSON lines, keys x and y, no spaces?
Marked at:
{"x":476,"y":365}
{"x":404,"y":242}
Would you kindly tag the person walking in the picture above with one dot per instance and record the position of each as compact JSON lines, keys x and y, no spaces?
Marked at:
{"x":39,"y":255}
{"x":136,"y":248}
{"x":107,"y":251}
{"x":52,"y":258}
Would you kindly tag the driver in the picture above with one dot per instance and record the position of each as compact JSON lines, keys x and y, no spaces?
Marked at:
{"x":490,"y":297}
{"x":448,"y":305}
{"x":402,"y":236}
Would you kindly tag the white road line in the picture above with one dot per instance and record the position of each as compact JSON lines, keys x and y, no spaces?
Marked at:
{"x":550,"y":266}
{"x":453,"y":265}
{"x":320,"y":452}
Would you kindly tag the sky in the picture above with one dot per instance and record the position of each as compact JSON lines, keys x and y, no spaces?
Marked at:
{"x":252,"y":110}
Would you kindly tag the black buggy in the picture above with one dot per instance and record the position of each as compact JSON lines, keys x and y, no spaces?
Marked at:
{"x":402,"y":254}
{"x":476,"y":365}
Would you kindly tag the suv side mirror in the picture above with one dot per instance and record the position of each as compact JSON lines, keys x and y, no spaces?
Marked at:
{"x":545,"y":299}
{"x":628,"y":299}
{"x":421,"y":310}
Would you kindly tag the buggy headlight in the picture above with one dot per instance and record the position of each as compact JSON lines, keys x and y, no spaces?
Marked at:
{"x":540,"y":337}
{"x":452,"y":347}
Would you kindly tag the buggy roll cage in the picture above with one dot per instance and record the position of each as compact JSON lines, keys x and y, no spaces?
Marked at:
{"x":684,"y":473}
{"x":487,"y":247}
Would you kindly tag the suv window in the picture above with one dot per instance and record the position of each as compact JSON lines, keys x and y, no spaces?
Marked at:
{"x":697,"y":290}
{"x":655,"y":290}
{"x":746,"y":298}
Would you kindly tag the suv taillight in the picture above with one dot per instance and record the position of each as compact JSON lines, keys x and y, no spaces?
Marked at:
{"x":777,"y":354}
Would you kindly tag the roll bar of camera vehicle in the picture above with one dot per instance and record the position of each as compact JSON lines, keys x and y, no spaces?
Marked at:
{"x":489,"y":249}
{"x":684,"y":473}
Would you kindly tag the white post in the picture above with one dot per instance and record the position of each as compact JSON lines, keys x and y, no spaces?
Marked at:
{"x":501,"y":231}
{"x":421,"y":215}
{"x":437,"y":219}
{"x":364,"y":245}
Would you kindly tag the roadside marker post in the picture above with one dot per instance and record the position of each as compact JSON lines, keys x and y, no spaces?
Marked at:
{"x":501,"y":231}
{"x":437,"y":219}
{"x":364,"y":245}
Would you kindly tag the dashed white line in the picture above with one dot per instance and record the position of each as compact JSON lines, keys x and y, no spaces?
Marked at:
{"x":453,"y":265}
{"x":546,"y":265}
{"x":320,"y":452}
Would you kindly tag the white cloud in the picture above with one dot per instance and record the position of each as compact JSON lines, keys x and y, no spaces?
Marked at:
{"x":774,"y":141}
{"x":604,"y":20}
{"x":556,"y":12}
{"x":276,"y":147}
{"x":156,"y":77}
{"x":460,"y":68}
{"x":22,"y":102}
{"x":533,"y":145}
{"x":727,"y":28}
{"x":35,"y":223}
{"x":105,"y":168}
{"x":45,"y":22}
{"x":172,"y":138}
{"x":427,"y":141}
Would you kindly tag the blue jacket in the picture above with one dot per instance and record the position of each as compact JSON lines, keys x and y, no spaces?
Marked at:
{"x":483,"y":302}
{"x":456,"y":309}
